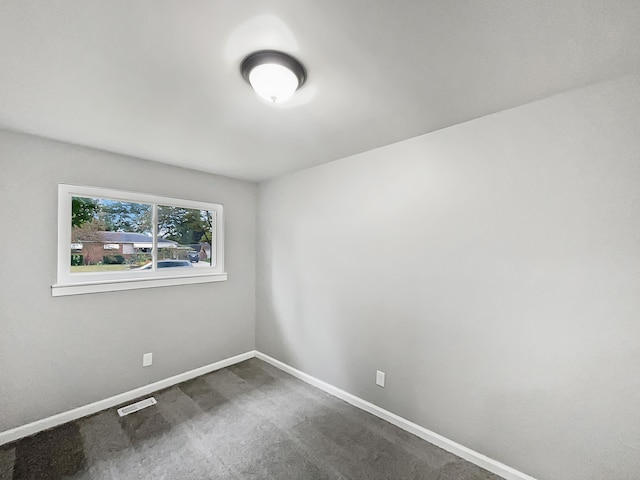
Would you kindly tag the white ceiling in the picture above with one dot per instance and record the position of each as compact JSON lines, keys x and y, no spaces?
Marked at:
{"x":160,"y":79}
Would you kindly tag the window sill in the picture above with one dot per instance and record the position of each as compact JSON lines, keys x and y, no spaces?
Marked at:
{"x":80,"y":288}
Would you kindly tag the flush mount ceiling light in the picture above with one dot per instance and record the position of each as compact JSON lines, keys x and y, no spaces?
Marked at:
{"x":275,"y":76}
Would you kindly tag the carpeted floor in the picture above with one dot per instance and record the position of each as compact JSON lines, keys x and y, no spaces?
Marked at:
{"x":248,"y":421}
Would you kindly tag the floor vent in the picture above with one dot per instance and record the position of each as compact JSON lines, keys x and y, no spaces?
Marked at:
{"x":134,"y":407}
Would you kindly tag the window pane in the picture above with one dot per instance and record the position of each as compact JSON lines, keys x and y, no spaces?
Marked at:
{"x":185,"y":237}
{"x":110,"y":235}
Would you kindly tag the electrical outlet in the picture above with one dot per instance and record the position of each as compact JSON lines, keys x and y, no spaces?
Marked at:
{"x":380,"y":378}
{"x":147,"y":359}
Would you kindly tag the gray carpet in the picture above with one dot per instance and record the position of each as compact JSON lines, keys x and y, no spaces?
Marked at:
{"x":248,"y":421}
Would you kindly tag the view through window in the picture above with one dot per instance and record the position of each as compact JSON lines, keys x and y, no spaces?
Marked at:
{"x":111,"y":240}
{"x":117,"y":236}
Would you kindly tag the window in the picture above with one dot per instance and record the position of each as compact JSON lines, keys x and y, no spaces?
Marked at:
{"x":112,"y":240}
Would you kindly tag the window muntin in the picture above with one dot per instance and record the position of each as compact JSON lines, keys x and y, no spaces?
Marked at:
{"x":113,"y":236}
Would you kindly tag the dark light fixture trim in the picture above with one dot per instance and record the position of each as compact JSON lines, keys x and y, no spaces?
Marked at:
{"x":274,"y":57}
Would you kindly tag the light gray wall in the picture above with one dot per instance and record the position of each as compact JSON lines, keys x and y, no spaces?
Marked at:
{"x":491,"y":269}
{"x":64,"y":352}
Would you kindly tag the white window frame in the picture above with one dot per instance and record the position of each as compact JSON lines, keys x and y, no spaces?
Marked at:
{"x":79,"y":283}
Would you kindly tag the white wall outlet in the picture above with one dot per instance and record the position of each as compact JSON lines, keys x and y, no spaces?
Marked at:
{"x":380,"y":378}
{"x":147,"y":359}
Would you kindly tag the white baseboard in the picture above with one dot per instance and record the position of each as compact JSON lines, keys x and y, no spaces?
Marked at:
{"x":461,"y":451}
{"x":64,"y":417}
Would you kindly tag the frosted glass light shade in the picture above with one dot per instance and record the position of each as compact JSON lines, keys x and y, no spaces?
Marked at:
{"x":275,"y":76}
{"x":273,"y":82}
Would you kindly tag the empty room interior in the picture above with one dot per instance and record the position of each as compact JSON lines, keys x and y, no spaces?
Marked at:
{"x":403,"y":239}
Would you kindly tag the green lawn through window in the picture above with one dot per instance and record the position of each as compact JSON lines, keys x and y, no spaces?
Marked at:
{"x":98,"y":268}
